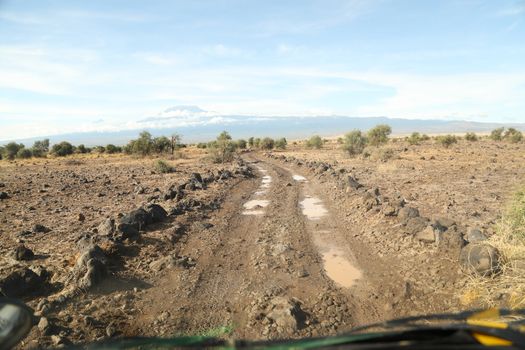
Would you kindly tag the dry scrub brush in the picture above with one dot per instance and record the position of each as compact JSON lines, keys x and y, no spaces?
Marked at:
{"x":506,"y":289}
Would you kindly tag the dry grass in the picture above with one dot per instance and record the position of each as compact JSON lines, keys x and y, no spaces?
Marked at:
{"x":506,"y":289}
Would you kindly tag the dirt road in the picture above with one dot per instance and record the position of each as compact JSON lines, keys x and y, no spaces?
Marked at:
{"x":279,"y":261}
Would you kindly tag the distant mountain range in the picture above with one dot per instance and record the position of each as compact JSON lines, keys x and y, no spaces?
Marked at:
{"x":198,"y":125}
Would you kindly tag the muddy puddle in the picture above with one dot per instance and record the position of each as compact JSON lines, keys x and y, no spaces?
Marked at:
{"x":256,"y":206}
{"x":339,"y":268}
{"x":335,"y":262}
{"x":299,"y":178}
{"x":313,"y":208}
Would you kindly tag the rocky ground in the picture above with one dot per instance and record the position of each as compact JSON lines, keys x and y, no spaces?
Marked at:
{"x":284,"y":244}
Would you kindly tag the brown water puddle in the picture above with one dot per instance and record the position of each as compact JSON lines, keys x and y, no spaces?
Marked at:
{"x":335,"y":263}
{"x":340,"y":269}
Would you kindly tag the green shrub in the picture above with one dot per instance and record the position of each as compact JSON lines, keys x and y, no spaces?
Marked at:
{"x":257,"y":142}
{"x":24,"y":153}
{"x":241,"y":144}
{"x":83,"y":149}
{"x":202,"y":145}
{"x":315,"y":142}
{"x":497,"y":134}
{"x":223,"y":148}
{"x":425,"y":137}
{"x":414,"y":138}
{"x":40,"y":148}
{"x":161,"y":166}
{"x":110,"y":148}
{"x":160,"y":144}
{"x":281,"y":143}
{"x":354,"y":142}
{"x":513,"y":135}
{"x":62,"y":149}
{"x":11,"y":149}
{"x":379,"y":134}
{"x":447,"y":140}
{"x":267,"y":143}
{"x":250,"y":141}
{"x":470,"y":136}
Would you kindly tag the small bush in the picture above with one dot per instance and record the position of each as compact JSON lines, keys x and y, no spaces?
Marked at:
{"x":425,"y":137}
{"x":11,"y":149}
{"x":447,"y":140}
{"x":257,"y":142}
{"x":223,"y":149}
{"x":281,"y":143}
{"x":24,"y":153}
{"x":470,"y":136}
{"x":315,"y":142}
{"x":62,"y":149}
{"x":161,"y":145}
{"x":241,"y":144}
{"x":113,"y":149}
{"x":414,"y":138}
{"x":497,"y":134}
{"x":267,"y":143}
{"x":83,"y":149}
{"x":354,"y":142}
{"x":202,"y":145}
{"x":251,"y":141}
{"x":163,"y":167}
{"x":513,"y":135}
{"x":382,"y":154}
{"x":40,"y":148}
{"x":379,"y":134}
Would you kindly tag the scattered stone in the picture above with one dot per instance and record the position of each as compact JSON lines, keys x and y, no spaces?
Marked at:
{"x":352,"y":183}
{"x":24,"y":233}
{"x":23,"y":253}
{"x":137,"y":219}
{"x":369,"y":201}
{"x":407,"y":213}
{"x":443,"y":223}
{"x":4,"y":195}
{"x":40,"y":229}
{"x":481,"y":258}
{"x":21,"y":283}
{"x":90,"y":267}
{"x":414,"y":225}
{"x":475,"y":235}
{"x":156,"y":213}
{"x":286,"y":313}
{"x":43,"y":325}
{"x":81,"y":217}
{"x":451,"y":239}
{"x":107,"y":227}
{"x":389,"y":210}
{"x":427,"y":235}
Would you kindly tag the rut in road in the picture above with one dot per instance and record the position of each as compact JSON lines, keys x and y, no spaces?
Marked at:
{"x":255,"y":255}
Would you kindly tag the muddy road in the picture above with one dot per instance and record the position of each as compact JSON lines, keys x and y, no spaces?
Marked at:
{"x":277,"y":260}
{"x":269,"y":246}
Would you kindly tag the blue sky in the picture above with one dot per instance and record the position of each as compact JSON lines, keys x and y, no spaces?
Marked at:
{"x":71,"y":65}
